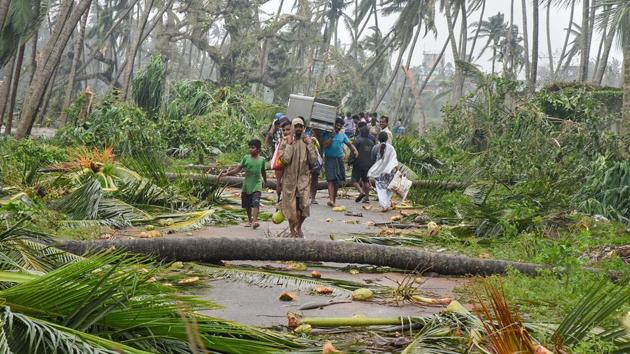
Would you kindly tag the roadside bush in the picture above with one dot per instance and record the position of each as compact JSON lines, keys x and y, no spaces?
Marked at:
{"x":119,"y":125}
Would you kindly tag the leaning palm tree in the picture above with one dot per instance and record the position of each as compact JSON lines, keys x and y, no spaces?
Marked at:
{"x":617,"y":13}
{"x":494,"y":30}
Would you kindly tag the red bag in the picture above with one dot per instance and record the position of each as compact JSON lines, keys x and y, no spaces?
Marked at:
{"x":276,"y":163}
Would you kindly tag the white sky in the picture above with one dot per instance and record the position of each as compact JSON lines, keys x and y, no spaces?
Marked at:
{"x":559,"y":21}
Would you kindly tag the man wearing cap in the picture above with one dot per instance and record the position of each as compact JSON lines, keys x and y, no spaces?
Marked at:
{"x":274,"y":135}
{"x":298,"y":155}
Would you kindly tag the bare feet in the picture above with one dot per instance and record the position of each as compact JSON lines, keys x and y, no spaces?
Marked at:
{"x":255,"y":225}
{"x":331,"y":204}
{"x":385,"y":210}
{"x":246,"y":224}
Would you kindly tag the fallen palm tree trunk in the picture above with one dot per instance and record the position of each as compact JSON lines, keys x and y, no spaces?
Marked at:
{"x":206,"y":249}
{"x":237,"y":182}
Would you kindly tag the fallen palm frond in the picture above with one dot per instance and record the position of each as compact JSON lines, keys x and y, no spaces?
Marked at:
{"x":388,"y":241}
{"x":83,"y":203}
{"x":438,"y":338}
{"x":267,"y":278}
{"x":107,"y":296}
{"x":20,"y":249}
{"x":598,"y":304}
{"x":503,"y":326}
{"x":16,"y":328}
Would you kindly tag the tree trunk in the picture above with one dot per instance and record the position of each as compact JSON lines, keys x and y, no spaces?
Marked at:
{"x":264,"y":56}
{"x":133,"y":48}
{"x":211,"y":249}
{"x":625,"y":121}
{"x":463,"y":37}
{"x":15,"y":83}
{"x":5,"y":88}
{"x":67,"y":20}
{"x":584,"y":43}
{"x":526,"y":45}
{"x":78,"y":46}
{"x":566,"y":40}
{"x":46,"y":101}
{"x":600,"y":50}
{"x":458,"y":78}
{"x":409,"y":57}
{"x":601,"y":68}
{"x":474,"y":43}
{"x":33,"y":63}
{"x":391,"y":80}
{"x":535,"y":45}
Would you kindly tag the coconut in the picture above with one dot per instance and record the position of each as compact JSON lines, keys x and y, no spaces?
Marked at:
{"x":278,"y":217}
{"x":362,"y":294}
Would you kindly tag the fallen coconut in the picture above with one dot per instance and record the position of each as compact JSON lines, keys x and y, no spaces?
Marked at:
{"x":287,"y":296}
{"x":362,"y":294}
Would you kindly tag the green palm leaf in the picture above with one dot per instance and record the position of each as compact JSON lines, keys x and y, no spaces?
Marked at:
{"x":265,"y":278}
{"x":106,"y":295}
{"x":597,"y":305}
{"x":24,"y":334}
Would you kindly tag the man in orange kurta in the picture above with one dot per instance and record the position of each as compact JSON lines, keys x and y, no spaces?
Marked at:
{"x":298,"y":155}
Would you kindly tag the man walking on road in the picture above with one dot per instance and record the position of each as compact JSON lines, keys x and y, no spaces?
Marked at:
{"x":333,"y":143}
{"x":298,"y":155}
{"x":362,"y":164}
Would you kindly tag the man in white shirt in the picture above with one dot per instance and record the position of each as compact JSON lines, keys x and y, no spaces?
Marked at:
{"x":384,"y":123}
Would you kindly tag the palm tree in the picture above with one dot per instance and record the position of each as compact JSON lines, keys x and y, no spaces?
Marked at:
{"x":618,"y":14}
{"x":406,"y":31}
{"x":585,"y":45}
{"x":494,"y":30}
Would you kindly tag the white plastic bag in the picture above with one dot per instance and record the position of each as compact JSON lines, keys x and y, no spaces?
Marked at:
{"x":400,"y":185}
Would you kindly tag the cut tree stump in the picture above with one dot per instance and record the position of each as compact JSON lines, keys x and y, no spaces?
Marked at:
{"x":207,"y":249}
{"x":237,"y":182}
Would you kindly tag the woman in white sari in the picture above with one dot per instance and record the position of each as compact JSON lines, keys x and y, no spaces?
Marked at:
{"x":383,"y":170}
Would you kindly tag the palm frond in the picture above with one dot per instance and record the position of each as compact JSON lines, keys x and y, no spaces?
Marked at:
{"x":112,"y":208}
{"x":84,"y":202}
{"x":25,"y":250}
{"x":188,"y":221}
{"x":388,"y":240}
{"x":268,"y":278}
{"x":107,"y":295}
{"x":20,"y":333}
{"x":597,"y":305}
{"x":435,"y":338}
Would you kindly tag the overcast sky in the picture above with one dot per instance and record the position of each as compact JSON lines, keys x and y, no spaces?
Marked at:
{"x":559,"y":21}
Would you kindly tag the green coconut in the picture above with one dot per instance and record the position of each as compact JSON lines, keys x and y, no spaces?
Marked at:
{"x":278,"y":217}
{"x":362,"y":294}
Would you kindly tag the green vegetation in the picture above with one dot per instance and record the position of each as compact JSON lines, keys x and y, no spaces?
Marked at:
{"x":546,"y":184}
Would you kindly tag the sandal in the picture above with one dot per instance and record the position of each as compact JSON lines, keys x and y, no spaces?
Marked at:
{"x":331,"y":204}
{"x":358,"y":199}
{"x":255,"y":225}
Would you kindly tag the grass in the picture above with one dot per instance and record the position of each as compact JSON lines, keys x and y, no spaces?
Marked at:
{"x":562,"y":248}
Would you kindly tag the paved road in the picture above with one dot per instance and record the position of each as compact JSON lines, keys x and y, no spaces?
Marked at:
{"x":322,"y":223}
{"x":260,"y":306}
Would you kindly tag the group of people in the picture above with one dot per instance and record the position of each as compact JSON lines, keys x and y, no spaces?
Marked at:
{"x":300,"y":153}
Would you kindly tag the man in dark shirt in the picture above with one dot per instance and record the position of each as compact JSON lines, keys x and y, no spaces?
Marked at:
{"x":362,"y":164}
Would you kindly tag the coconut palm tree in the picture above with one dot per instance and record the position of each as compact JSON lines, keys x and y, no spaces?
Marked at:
{"x":494,"y":30}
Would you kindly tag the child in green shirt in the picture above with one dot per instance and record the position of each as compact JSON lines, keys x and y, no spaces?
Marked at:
{"x":254,"y":167}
